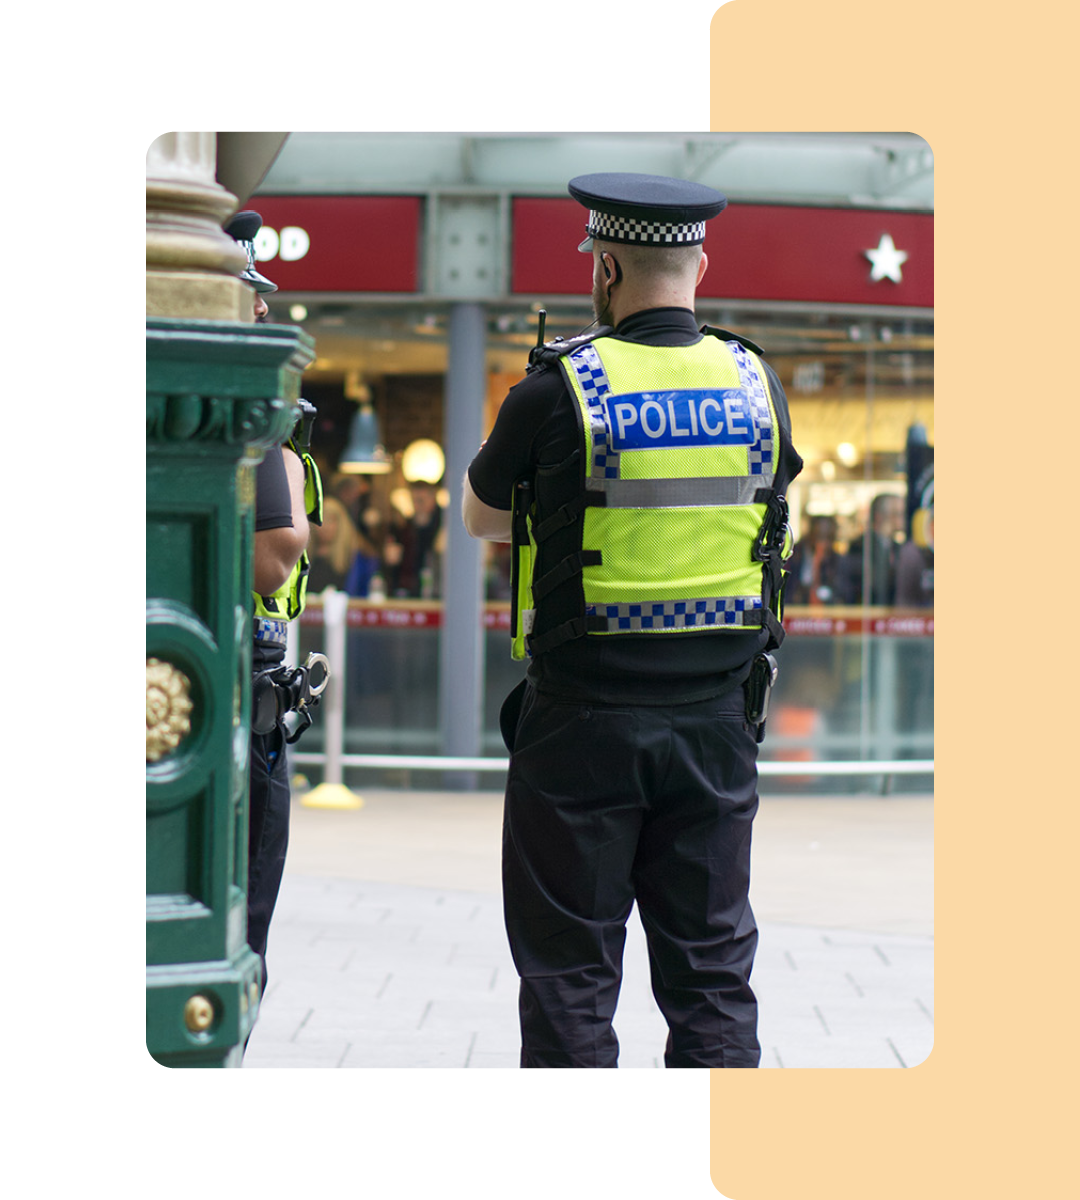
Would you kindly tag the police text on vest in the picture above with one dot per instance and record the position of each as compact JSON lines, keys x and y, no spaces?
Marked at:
{"x":689,"y":417}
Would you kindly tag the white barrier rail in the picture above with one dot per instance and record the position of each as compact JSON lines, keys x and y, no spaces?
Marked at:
{"x":434,"y":762}
{"x":334,"y":759}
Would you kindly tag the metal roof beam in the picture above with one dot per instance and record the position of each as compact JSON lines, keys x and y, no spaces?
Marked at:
{"x":874,"y":169}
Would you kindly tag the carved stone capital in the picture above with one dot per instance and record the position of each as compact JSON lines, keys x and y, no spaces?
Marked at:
{"x":234,"y":421}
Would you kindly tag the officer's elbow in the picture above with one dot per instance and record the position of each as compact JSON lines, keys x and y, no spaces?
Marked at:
{"x":277,"y":551}
{"x":483,"y":521}
{"x":491,"y":525}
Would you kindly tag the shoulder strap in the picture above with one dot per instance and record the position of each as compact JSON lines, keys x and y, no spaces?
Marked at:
{"x":550,"y":352}
{"x":725,"y":336}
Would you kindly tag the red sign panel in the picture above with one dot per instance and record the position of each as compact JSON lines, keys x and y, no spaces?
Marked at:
{"x":340,"y":243}
{"x":756,"y":252}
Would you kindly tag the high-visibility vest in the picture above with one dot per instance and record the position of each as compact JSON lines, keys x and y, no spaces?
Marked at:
{"x":287,"y":603}
{"x":681,"y":526}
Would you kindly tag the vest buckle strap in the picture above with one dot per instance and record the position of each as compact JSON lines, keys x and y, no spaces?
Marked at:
{"x":566,"y":632}
{"x":558,"y":520}
{"x":571,"y":565}
{"x":774,"y":530}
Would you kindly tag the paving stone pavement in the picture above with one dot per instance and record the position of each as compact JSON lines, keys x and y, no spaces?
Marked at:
{"x":387,"y":948}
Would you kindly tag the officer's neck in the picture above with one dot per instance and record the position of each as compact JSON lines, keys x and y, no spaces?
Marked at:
{"x":631,"y":301}
{"x":672,"y":309}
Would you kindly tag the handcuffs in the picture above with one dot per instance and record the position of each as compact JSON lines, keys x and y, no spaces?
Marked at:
{"x":284,"y":691}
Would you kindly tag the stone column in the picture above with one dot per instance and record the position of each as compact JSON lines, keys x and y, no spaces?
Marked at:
{"x":461,"y":660}
{"x":192,"y":265}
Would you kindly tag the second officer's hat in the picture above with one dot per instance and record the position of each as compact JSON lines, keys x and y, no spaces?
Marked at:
{"x":244,"y":228}
{"x":645,"y":210}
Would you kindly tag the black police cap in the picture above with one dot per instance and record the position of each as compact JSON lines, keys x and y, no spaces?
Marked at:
{"x":244,"y":228}
{"x":645,"y":210}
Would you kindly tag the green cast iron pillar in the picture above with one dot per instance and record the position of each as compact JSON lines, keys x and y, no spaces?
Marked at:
{"x":218,"y":394}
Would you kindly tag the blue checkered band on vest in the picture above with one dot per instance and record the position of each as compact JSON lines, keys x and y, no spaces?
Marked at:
{"x":594,"y":386}
{"x":271,"y":632}
{"x":760,"y":453}
{"x":676,"y":614}
{"x":650,"y":233}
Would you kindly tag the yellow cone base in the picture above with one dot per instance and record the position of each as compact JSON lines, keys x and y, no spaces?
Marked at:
{"x":331,"y":795}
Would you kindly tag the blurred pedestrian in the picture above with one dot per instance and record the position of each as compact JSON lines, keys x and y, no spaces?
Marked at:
{"x":868,"y":572}
{"x":915,"y":564}
{"x":414,"y":546}
{"x":815,"y":565}
{"x":333,"y":549}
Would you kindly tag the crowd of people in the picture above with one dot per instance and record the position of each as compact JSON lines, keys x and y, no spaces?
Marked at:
{"x":362,"y":550}
{"x":879,"y":567}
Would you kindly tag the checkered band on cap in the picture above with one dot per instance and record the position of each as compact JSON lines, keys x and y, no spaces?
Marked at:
{"x":647,"y":233}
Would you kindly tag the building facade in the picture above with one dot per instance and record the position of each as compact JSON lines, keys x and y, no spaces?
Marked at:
{"x":421,"y":264}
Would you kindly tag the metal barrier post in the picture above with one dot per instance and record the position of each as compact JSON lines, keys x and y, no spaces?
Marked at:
{"x":332,"y":792}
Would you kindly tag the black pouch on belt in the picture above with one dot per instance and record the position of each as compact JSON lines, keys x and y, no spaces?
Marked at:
{"x":269,"y":700}
{"x":509,"y":713}
{"x":759,"y":683}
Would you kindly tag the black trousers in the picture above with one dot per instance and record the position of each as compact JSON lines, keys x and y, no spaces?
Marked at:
{"x":605,"y":805}
{"x":268,"y":836}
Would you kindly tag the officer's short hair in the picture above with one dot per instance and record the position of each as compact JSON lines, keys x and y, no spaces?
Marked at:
{"x":653,"y":262}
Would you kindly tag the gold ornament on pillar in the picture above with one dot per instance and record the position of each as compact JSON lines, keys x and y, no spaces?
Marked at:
{"x":168,"y":708}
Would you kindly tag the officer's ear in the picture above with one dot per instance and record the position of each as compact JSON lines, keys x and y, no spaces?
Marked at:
{"x":703,"y":266}
{"x":605,"y":258}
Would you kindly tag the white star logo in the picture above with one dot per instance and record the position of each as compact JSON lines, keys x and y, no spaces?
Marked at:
{"x":886,"y":260}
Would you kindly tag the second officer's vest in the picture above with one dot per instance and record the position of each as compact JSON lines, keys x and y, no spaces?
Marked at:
{"x":287,"y":603}
{"x":681,"y":529}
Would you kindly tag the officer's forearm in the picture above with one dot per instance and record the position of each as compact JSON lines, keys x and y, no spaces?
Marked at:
{"x":481,"y":520}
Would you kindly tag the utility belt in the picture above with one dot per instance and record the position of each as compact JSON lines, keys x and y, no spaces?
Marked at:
{"x":758,"y":689}
{"x":285,"y":695}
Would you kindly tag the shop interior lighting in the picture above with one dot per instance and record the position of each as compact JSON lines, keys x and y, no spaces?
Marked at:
{"x":364,"y":454}
{"x":423,"y":461}
{"x":847,"y":454}
{"x":298,"y":312}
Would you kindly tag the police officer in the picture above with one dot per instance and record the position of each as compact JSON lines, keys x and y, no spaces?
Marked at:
{"x":244,"y":228}
{"x":288,"y":500}
{"x":639,"y":472}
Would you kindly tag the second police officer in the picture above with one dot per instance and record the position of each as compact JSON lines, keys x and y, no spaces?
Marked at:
{"x":640,"y":473}
{"x":288,"y":500}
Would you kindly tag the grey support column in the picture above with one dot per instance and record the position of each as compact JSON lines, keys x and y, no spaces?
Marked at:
{"x":461,"y":656}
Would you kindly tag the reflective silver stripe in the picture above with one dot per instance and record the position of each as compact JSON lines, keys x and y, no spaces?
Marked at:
{"x":708,"y":492}
{"x":677,"y":614}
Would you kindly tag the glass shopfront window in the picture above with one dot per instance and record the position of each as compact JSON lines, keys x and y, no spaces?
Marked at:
{"x":856,"y":669}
